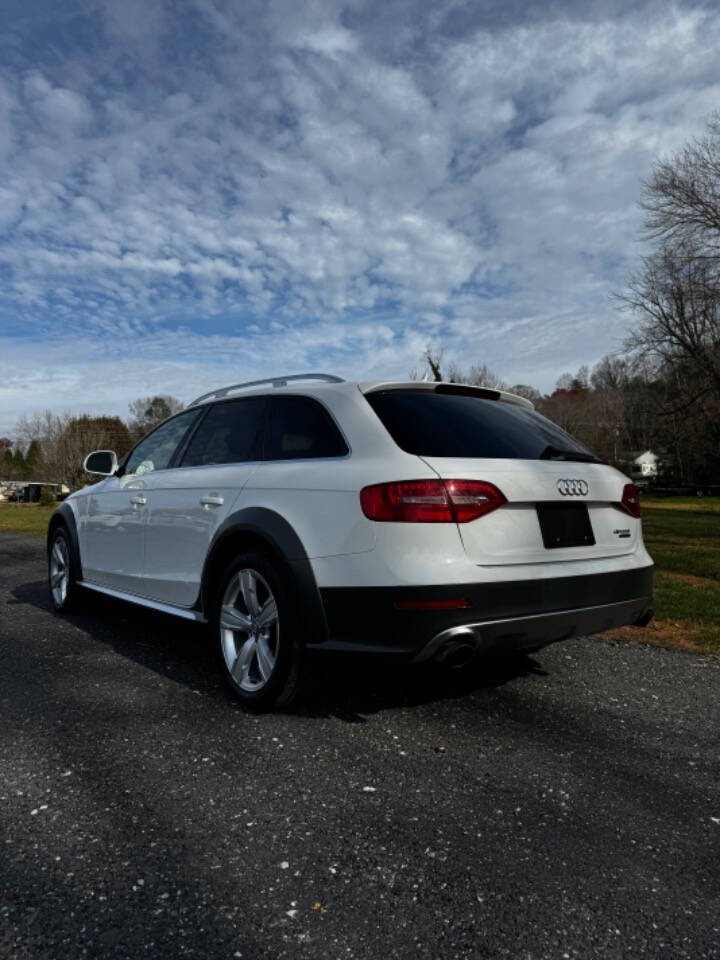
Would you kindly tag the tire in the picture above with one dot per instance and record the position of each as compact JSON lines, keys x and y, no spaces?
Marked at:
{"x":257,"y":631}
{"x":62,"y":573}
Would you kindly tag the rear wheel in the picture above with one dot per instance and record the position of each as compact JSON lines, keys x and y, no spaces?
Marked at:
{"x":61,"y":573}
{"x":258,"y":634}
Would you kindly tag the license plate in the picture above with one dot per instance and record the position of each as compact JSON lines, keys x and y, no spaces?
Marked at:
{"x":565,"y":525}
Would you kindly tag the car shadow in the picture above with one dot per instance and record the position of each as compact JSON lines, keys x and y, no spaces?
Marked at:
{"x":346,"y":686}
{"x":354,"y":686}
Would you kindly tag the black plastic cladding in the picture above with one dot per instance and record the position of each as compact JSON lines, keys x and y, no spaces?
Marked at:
{"x":64,"y":516}
{"x":276,"y":532}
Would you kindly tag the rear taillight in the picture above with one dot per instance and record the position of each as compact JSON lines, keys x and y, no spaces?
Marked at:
{"x":630,"y":501}
{"x":473,"y":498}
{"x":430,"y":501}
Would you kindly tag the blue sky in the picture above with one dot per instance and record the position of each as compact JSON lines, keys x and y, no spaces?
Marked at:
{"x":200,"y":192}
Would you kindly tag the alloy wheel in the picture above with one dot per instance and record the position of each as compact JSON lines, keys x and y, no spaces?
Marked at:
{"x":59,"y":571}
{"x":249,"y":630}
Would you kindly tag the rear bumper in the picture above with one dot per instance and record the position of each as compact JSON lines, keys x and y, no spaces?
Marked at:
{"x":530,"y":632}
{"x":510,"y":614}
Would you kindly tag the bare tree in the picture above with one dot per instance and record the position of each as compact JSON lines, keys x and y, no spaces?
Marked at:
{"x":525,"y":390}
{"x":682,"y":197}
{"x":676,"y":295}
{"x":64,"y":441}
{"x":432,"y":365}
{"x":570,"y":409}
{"x":564,"y":382}
{"x":147,"y":412}
{"x":479,"y":374}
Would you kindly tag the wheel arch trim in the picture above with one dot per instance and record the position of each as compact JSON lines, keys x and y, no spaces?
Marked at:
{"x":64,"y":516}
{"x":266,"y":527}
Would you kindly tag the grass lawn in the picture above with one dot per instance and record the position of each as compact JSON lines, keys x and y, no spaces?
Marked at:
{"x":25,"y":518}
{"x":683,"y":537}
{"x":681,"y":533}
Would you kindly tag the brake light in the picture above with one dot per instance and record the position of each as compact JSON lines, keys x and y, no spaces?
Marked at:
{"x":473,"y":498}
{"x":630,"y":501}
{"x":430,"y":501}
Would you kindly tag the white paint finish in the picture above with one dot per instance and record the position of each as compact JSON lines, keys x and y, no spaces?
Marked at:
{"x":111,"y":531}
{"x":416,"y":553}
{"x":328,"y":522}
{"x":181,"y":525}
{"x":446,"y":563}
{"x":320,"y":499}
{"x":530,"y":481}
{"x":511,"y":534}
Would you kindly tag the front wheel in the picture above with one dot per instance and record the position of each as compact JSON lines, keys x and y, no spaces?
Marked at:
{"x":259,"y":638}
{"x":61,"y":573}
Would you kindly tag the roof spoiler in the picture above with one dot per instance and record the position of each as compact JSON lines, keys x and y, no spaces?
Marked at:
{"x":459,"y":389}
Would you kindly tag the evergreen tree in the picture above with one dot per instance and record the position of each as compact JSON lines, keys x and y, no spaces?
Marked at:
{"x":19,"y":465}
{"x":7,"y":465}
{"x":34,"y":461}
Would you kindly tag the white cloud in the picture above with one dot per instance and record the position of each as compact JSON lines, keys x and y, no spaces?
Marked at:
{"x":329,"y":41}
{"x":284,"y":191}
{"x":85,"y":376}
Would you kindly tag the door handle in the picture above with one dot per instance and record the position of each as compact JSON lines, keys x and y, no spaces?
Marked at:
{"x":138,"y":501}
{"x":212,"y":501}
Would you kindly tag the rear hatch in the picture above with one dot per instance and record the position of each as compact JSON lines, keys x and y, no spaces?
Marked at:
{"x":514,"y":532}
{"x":562,"y":502}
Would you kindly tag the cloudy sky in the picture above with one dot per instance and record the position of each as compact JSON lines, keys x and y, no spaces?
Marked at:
{"x":197,"y":192}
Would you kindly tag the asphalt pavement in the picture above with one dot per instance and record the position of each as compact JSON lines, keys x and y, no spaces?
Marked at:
{"x":565,"y":805}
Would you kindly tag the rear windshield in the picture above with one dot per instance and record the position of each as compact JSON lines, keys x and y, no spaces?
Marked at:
{"x":430,"y":424}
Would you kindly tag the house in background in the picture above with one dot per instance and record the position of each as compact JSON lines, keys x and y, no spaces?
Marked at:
{"x":20,"y":491}
{"x":645,"y":467}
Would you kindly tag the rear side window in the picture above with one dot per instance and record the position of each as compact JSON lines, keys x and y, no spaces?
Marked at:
{"x":230,"y":433}
{"x":299,"y":428}
{"x":448,"y":425}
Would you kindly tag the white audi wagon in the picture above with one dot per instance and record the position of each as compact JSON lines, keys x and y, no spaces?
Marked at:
{"x":421,"y":520}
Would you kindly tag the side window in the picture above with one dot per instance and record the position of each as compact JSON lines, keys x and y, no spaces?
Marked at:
{"x":230,"y":433}
{"x":300,"y":428}
{"x":156,"y":450}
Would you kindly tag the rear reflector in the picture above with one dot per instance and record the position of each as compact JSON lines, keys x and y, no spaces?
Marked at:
{"x":446,"y":604}
{"x":630,"y":502}
{"x":430,"y":501}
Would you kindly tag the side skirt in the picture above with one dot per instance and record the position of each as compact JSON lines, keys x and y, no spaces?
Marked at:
{"x":143,"y":602}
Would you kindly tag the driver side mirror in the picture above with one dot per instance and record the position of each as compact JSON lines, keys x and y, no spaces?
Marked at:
{"x":102,"y":462}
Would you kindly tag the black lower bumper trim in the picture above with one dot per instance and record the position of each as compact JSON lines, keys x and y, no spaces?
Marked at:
{"x":367,"y":618}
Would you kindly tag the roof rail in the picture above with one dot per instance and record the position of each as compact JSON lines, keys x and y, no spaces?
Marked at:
{"x":275,"y":381}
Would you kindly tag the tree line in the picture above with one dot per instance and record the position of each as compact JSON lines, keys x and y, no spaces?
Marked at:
{"x":619,"y":408}
{"x":52,"y":447}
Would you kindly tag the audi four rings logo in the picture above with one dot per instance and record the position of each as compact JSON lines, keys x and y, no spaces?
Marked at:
{"x":572,"y":488}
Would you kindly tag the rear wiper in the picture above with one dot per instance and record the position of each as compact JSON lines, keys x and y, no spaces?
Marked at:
{"x":556,"y":453}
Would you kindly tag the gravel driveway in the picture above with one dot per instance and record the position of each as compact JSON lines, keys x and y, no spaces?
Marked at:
{"x":560,"y":806}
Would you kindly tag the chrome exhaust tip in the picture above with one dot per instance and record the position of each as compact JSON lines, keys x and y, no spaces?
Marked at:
{"x":457,"y":654}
